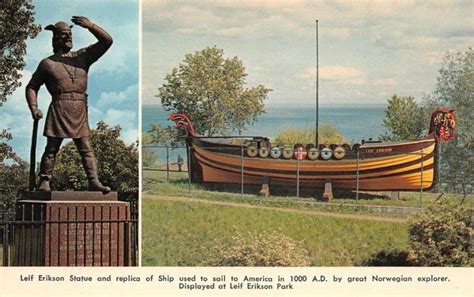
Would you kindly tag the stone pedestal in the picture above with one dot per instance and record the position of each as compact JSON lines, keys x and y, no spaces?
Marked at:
{"x":64,"y":231}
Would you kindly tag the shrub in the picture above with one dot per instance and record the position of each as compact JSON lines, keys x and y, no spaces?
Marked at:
{"x":393,"y":257}
{"x":328,"y":134}
{"x":441,"y":237}
{"x":259,"y":249}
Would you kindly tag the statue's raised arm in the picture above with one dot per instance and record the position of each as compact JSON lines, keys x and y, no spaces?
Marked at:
{"x":95,"y":51}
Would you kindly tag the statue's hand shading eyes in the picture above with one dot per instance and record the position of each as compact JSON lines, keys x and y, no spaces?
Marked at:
{"x":82,"y":21}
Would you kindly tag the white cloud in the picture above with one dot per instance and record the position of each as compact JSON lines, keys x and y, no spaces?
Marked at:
{"x":130,"y":94}
{"x":129,"y":136}
{"x":334,"y":73}
{"x":124,"y":118}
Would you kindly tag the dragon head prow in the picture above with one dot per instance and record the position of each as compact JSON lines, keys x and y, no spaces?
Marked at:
{"x":443,"y":123}
{"x":180,"y":120}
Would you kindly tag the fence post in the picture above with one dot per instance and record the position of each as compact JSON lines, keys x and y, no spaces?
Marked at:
{"x":297,"y":176}
{"x":357,"y":176}
{"x":421,"y":180}
{"x":5,"y":237}
{"x":126,"y":244}
{"x":188,"y":149}
{"x":241,"y":171}
{"x":167,"y":163}
{"x":438,"y":153}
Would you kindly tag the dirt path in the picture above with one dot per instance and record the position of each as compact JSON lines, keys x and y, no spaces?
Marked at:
{"x":288,"y":210}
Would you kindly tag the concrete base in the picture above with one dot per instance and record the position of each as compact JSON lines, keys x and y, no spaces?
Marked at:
{"x":71,"y":196}
{"x":328,"y":195}
{"x":265,"y":191}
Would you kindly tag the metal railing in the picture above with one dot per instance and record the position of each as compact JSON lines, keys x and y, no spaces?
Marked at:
{"x":73,"y":235}
{"x":163,"y":155}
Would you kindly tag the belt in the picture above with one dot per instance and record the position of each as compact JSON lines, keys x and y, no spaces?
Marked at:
{"x":70,"y":96}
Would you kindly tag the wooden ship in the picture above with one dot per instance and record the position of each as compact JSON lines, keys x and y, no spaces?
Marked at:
{"x":369,"y":166}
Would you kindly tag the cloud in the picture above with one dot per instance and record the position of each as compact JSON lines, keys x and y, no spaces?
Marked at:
{"x":335,"y":73}
{"x":130,"y":94}
{"x":125,"y":118}
{"x":370,"y":49}
{"x":130,"y":135}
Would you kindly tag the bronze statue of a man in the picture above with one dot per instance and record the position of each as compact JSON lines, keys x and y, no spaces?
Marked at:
{"x":65,"y":76}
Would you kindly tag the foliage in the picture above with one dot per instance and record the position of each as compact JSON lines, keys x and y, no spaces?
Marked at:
{"x":168,"y":136}
{"x":117,"y":163}
{"x":210,"y":90}
{"x":441,"y":237}
{"x":13,"y":173}
{"x":455,"y":90}
{"x":148,"y":156}
{"x":395,"y":257}
{"x":260,"y":249}
{"x":16,"y":25}
{"x":404,"y":119}
{"x":328,"y":134}
{"x":147,"y":138}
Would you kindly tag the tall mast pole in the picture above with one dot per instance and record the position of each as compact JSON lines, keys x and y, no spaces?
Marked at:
{"x":317,"y":87}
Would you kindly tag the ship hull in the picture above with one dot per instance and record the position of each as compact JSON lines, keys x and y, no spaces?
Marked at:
{"x":409,"y":166}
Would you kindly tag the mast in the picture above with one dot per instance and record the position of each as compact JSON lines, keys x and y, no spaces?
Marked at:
{"x":317,"y":87}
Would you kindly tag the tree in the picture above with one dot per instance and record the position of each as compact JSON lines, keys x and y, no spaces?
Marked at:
{"x":210,"y":90}
{"x":455,"y":90}
{"x":404,"y":119}
{"x":328,"y":134}
{"x":117,"y":163}
{"x":13,"y":175}
{"x":16,"y":26}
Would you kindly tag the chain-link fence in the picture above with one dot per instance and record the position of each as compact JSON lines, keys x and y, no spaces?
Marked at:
{"x":234,"y":169}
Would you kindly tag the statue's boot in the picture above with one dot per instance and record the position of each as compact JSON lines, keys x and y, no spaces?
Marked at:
{"x":46,"y":169}
{"x":89,"y":163}
{"x":44,"y":185}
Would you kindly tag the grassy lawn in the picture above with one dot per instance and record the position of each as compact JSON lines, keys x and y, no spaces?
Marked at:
{"x":155,"y":182}
{"x":180,"y":234}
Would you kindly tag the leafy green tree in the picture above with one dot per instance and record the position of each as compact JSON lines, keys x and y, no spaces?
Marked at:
{"x":13,"y":175}
{"x":16,"y":26}
{"x":328,"y":134}
{"x":404,"y":119}
{"x":455,"y":90}
{"x":441,"y":237}
{"x":168,"y":136}
{"x":117,"y":163}
{"x":210,"y":89}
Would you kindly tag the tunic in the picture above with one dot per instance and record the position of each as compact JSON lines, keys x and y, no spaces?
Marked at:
{"x":65,"y":78}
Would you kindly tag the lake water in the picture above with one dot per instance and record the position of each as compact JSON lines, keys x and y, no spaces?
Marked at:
{"x":354,"y":122}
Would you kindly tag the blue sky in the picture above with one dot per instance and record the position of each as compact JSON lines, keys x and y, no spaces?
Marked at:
{"x":369,"y":49}
{"x":113,"y":80}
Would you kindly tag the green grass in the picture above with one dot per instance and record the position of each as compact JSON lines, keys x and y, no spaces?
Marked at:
{"x":156,"y":182}
{"x":180,"y":233}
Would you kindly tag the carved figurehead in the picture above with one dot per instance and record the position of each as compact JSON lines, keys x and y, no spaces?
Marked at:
{"x":182,"y":120}
{"x":443,"y":123}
